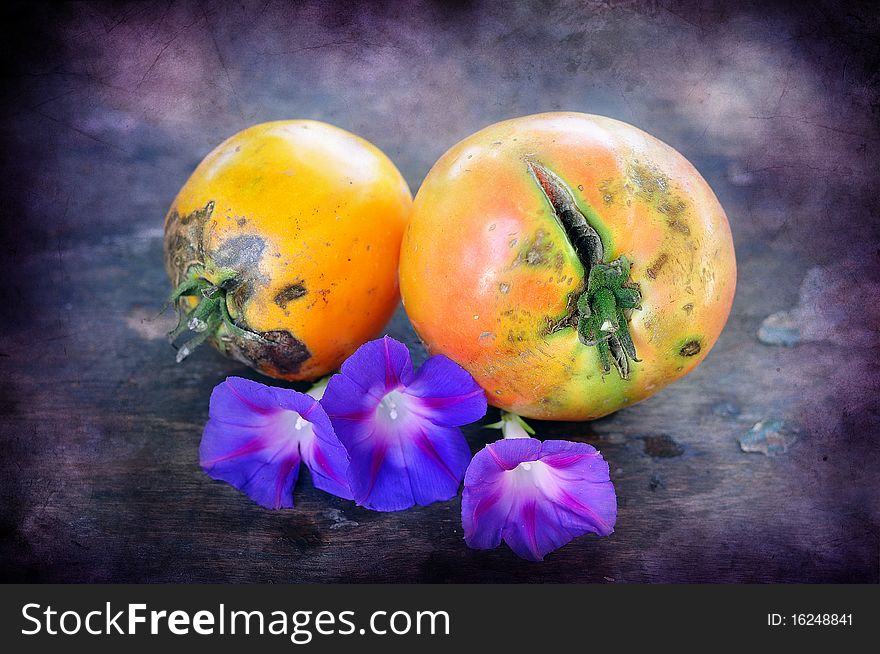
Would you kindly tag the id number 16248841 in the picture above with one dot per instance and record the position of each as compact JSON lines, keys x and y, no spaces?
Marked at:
{"x":810,"y":620}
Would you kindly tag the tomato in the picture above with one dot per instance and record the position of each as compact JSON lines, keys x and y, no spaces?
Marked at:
{"x":573,"y":264}
{"x":283,"y":247}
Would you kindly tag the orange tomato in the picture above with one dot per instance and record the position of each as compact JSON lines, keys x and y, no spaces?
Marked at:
{"x":573,"y":264}
{"x":283,"y":247}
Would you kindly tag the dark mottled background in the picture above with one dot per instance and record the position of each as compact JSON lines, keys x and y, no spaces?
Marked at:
{"x":760,"y":466}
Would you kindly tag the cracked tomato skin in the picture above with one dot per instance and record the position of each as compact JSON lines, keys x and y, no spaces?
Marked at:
{"x":309,"y":219}
{"x":488,"y":275}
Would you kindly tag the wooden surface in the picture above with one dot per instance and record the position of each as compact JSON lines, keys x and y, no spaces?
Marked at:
{"x":107,"y":110}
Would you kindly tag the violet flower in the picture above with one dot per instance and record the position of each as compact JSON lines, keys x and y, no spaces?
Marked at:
{"x":535,"y":496}
{"x":257,"y":435}
{"x":401,"y":428}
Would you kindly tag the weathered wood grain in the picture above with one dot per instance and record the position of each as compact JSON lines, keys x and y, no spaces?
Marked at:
{"x":99,"y":477}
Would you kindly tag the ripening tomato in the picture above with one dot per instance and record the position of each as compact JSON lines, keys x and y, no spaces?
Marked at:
{"x":573,"y":264}
{"x":283,"y":247}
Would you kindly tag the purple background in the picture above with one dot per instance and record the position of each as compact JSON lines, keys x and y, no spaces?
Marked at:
{"x":107,"y":108}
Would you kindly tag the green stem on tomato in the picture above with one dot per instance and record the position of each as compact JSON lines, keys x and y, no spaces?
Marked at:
{"x":601,"y":319}
{"x":210,"y":314}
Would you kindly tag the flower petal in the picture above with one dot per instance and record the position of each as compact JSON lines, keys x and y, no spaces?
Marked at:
{"x":324,"y":455}
{"x":505,"y":454}
{"x":447,"y":393}
{"x":377,"y":473}
{"x":345,"y":398}
{"x":403,"y":446}
{"x":379,"y":366}
{"x":245,"y":399}
{"x":436,"y":459}
{"x":536,"y":496}
{"x":392,"y":469}
{"x":245,"y":445}
{"x":485,"y":502}
{"x":586,"y":495}
{"x":254,"y":436}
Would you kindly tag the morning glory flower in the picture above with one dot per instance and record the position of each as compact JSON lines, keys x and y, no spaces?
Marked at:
{"x":400,"y":427}
{"x":536,"y":496}
{"x":257,"y":436}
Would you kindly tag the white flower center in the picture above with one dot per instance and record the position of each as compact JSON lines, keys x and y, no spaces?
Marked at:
{"x":392,"y":405}
{"x":293,"y":424}
{"x":531,"y":475}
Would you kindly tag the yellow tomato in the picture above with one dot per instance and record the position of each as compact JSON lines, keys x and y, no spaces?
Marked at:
{"x":283,"y":247}
{"x":573,"y":264}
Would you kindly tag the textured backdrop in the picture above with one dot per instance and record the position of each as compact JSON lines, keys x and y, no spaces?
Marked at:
{"x":761,"y":466}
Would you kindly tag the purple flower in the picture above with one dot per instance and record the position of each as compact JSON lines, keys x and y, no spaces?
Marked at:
{"x":400,"y":428}
{"x":257,"y":435}
{"x":536,"y":496}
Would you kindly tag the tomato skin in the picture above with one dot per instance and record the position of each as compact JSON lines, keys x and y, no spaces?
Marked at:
{"x":310,"y":217}
{"x":487,"y":272}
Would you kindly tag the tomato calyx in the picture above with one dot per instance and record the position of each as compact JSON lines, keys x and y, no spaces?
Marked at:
{"x":210,"y":316}
{"x":601,"y":317}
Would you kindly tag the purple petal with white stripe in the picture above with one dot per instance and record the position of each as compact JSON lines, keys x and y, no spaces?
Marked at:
{"x":401,"y":431}
{"x":536,"y":496}
{"x":256,"y":437}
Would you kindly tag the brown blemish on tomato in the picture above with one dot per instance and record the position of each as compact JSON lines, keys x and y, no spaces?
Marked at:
{"x":655,"y":267}
{"x":654,"y":188}
{"x":687,"y":308}
{"x":691,"y":348}
{"x":184,"y":240}
{"x":607,"y":193}
{"x":278,"y":352}
{"x":671,"y":206}
{"x":536,"y":251}
{"x":559,"y":261}
{"x":290,"y":293}
{"x":242,"y":253}
{"x":679,"y":226}
{"x":649,"y":181}
{"x":504,"y":287}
